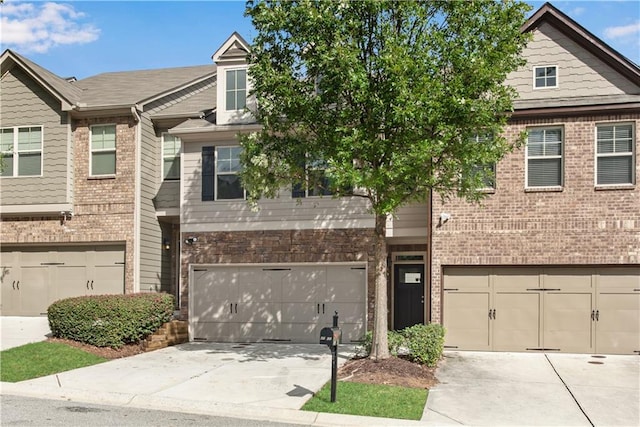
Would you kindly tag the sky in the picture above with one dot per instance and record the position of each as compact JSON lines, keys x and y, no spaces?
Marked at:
{"x":85,"y":38}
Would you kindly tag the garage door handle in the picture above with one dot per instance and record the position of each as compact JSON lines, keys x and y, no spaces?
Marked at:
{"x":236,"y":308}
{"x":322,"y":308}
{"x":92,"y":285}
{"x":597,"y":315}
{"x":18,"y":285}
{"x":13,"y":285}
{"x":231,"y":308}
{"x":318,"y":308}
{"x":87,"y":284}
{"x":593,"y":315}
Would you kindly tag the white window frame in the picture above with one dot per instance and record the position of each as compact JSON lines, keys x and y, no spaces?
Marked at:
{"x":15,"y":151}
{"x":103,"y":150}
{"x":560,"y":156}
{"x":176,"y":157}
{"x":218,"y":173}
{"x":536,"y":67}
{"x":236,"y":90}
{"x":632,"y":154}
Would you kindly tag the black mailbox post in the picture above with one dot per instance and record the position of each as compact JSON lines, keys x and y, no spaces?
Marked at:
{"x":331,"y":338}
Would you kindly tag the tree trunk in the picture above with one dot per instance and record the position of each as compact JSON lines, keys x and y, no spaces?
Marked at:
{"x":379,"y":345}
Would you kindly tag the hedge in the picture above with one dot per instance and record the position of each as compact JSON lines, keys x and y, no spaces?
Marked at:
{"x":110,"y":320}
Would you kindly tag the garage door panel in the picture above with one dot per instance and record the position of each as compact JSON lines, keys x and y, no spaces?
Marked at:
{"x":516,"y":323}
{"x":71,"y":281}
{"x":466,"y":320}
{"x":34,"y":290}
{"x":627,"y":278}
{"x":568,"y":278}
{"x":340,"y":280}
{"x":567,"y":322}
{"x":347,"y":312}
{"x":10,"y":296}
{"x":618,"y":325}
{"x":260,"y":285}
{"x":218,"y":311}
{"x":304,"y":284}
{"x":109,"y":279}
{"x":516,"y":279}
{"x":467,"y":278}
{"x":257,"y":331}
{"x":258,"y":311}
{"x":352,"y":332}
{"x":216,"y":331}
{"x":301,"y":312}
{"x":301,"y":332}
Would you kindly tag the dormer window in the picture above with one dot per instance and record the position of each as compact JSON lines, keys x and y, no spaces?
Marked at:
{"x":236,"y":90}
{"x":545,"y":77}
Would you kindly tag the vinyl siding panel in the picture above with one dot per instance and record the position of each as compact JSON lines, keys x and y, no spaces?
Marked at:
{"x":281,"y":213}
{"x":25,"y":103}
{"x":409,"y":221}
{"x":150,"y":231}
{"x":580,"y":73}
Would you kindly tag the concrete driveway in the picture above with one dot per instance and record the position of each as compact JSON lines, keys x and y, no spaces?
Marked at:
{"x":507,"y":389}
{"x":16,"y":331}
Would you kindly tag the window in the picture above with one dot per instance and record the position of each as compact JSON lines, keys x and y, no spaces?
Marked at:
{"x":236,"y":89}
{"x":486,"y":170}
{"x":21,"y":149}
{"x":170,"y":156}
{"x":220,"y":167}
{"x":544,"y":157}
{"x":103,"y":150}
{"x":317,"y":183}
{"x":545,"y":77}
{"x":614,"y":154}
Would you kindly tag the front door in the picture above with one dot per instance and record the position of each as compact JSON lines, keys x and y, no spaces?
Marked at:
{"x":409,"y":295}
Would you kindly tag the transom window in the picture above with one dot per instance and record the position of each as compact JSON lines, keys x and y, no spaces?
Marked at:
{"x":236,"y":89}
{"x":546,"y":76}
{"x":614,"y":154}
{"x":170,"y":156}
{"x":21,"y":149}
{"x":220,"y":168}
{"x":103,"y":150}
{"x":544,"y":157}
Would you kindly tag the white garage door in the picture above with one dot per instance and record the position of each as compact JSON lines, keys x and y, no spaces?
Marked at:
{"x":289,"y":303}
{"x":33,"y":278}
{"x":565,"y":309}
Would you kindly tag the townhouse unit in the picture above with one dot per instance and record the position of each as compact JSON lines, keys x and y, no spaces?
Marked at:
{"x":128,"y":182}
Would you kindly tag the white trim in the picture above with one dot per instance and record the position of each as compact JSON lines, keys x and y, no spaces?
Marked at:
{"x":533,"y":73}
{"x":55,"y":208}
{"x":561,"y":157}
{"x":70,"y":175}
{"x":91,"y":151}
{"x":596,"y":155}
{"x":162,"y":157}
{"x":235,"y":91}
{"x":137,"y":202}
{"x":15,"y":151}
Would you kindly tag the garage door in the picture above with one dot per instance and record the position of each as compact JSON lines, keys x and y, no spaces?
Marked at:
{"x":575,"y":310}
{"x":33,"y":278}
{"x":276,"y":303}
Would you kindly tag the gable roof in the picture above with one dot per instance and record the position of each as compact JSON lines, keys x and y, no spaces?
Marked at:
{"x":60,"y":88}
{"x":139,"y":87}
{"x":584,"y":38}
{"x":235,"y":48}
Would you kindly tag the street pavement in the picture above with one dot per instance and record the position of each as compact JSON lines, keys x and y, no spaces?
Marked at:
{"x":271,"y":382}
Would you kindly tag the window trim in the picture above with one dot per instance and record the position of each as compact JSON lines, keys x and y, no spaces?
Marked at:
{"x":305,"y":183}
{"x":235,"y":91}
{"x":597,"y":155}
{"x":216,"y":173}
{"x":533,"y":74}
{"x":15,"y":151}
{"x":91,"y":151}
{"x":178,"y":157}
{"x":529,"y":188}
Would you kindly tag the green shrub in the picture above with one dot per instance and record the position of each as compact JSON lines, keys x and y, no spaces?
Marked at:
{"x":421,"y":343}
{"x":425,"y":343}
{"x":110,"y":320}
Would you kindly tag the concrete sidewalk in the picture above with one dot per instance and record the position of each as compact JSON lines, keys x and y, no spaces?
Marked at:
{"x":16,"y":331}
{"x":535,"y":389}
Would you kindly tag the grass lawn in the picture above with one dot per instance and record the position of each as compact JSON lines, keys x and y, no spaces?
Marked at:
{"x":374,"y":400}
{"x":42,"y":358}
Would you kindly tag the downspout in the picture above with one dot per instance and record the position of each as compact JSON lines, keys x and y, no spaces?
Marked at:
{"x":429,"y":253}
{"x":136,"y":203}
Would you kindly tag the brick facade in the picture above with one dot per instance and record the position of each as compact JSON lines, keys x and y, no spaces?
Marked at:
{"x":103,"y":209}
{"x":289,"y":246}
{"x":578,"y":225}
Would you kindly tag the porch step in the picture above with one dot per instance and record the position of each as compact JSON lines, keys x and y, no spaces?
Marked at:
{"x":171,"y":333}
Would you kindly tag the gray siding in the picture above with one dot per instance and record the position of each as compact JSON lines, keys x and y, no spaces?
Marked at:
{"x":150,"y":230}
{"x":281,"y":213}
{"x":25,"y":103}
{"x":409,"y":221}
{"x":580,"y":73}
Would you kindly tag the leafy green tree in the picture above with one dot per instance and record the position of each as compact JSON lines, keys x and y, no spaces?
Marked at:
{"x":388,"y":95}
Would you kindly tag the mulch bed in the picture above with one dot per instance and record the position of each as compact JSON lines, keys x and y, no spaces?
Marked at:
{"x":106,"y":352}
{"x":392,"y":371}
